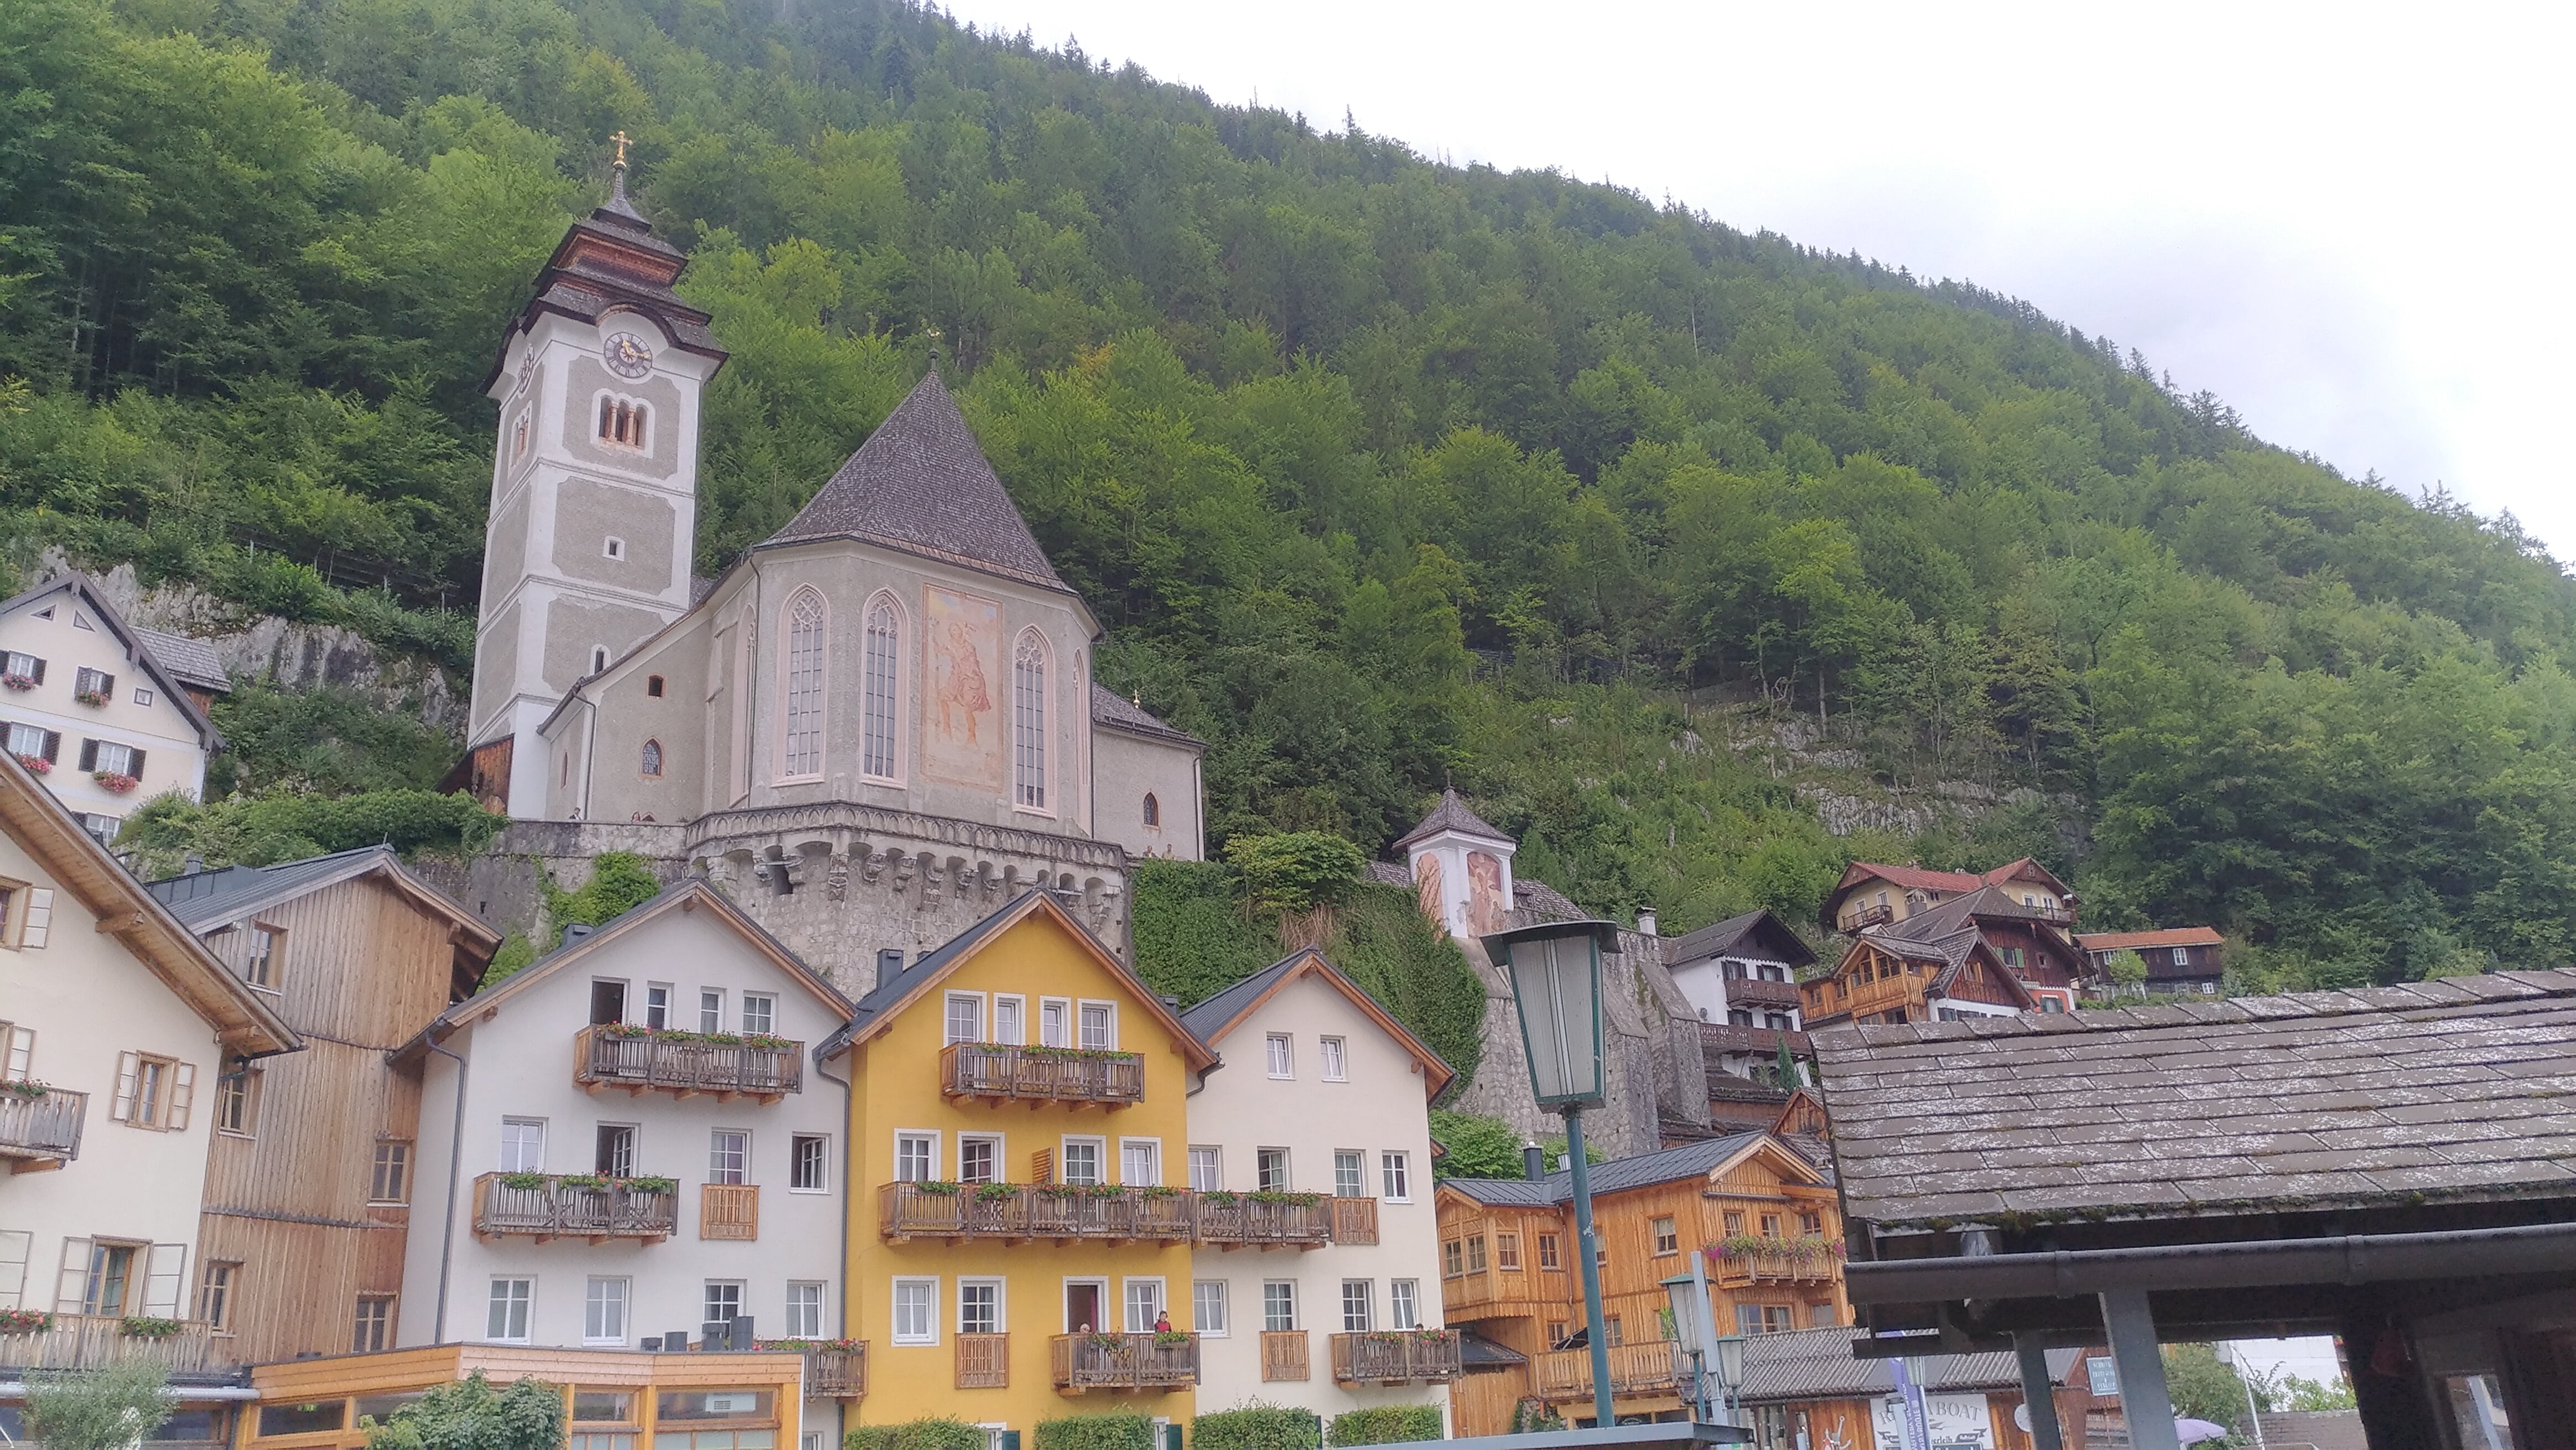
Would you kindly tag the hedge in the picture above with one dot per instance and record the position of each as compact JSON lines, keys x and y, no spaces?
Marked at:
{"x":1386,"y":1424}
{"x":1096,"y":1432}
{"x":937,"y":1433}
{"x":1257,"y":1426}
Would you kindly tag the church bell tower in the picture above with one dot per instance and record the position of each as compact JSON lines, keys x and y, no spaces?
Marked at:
{"x":594,"y":482}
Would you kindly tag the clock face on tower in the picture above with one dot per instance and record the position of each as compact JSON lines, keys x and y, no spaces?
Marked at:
{"x":627,"y":355}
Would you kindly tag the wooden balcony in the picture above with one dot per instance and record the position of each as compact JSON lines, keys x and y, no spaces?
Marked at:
{"x":983,"y":1361}
{"x":837,"y":1374}
{"x":1153,"y":1362}
{"x":1239,"y":1221}
{"x":1037,"y":1075}
{"x":1864,"y":1001}
{"x":1787,"y":1263}
{"x":729,"y":1211}
{"x":1024,"y":1212}
{"x":1283,"y":1355}
{"x":685,"y":1064}
{"x":1871,"y":915}
{"x":1635,"y":1369}
{"x":37,"y":1133}
{"x":93,"y":1341}
{"x":1394,"y":1357}
{"x":545,"y":1206}
{"x":1355,"y":1220}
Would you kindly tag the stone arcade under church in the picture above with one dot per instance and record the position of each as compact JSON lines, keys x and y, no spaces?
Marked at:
{"x":872,"y":729}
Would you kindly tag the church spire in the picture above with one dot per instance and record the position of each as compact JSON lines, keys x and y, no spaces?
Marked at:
{"x":618,"y":210}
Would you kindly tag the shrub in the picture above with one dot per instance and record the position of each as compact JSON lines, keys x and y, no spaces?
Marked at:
{"x":98,"y":1409}
{"x":1386,"y":1425}
{"x":1479,"y":1147}
{"x":928,"y":1433}
{"x":470,"y":1415}
{"x":1296,"y":870}
{"x":1096,"y":1432}
{"x":1257,"y":1426}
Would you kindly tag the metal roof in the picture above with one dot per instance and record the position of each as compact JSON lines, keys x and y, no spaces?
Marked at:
{"x":1670,"y":1165}
{"x":1817,"y":1364}
{"x":205,"y":899}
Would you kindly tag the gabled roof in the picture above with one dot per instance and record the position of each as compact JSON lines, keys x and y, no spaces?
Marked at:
{"x":1950,"y":954}
{"x":137,"y":642}
{"x":691,"y":893}
{"x":921,"y":485}
{"x":1962,"y":913}
{"x":1817,"y":1364}
{"x":1112,"y":713}
{"x":1670,"y":1165}
{"x":2171,"y":936}
{"x":872,"y":1013}
{"x":1218,"y":1015}
{"x":1452,"y":815}
{"x":120,"y":907}
{"x":189,"y":661}
{"x":1917,"y":878}
{"x":1755,"y":934}
{"x":205,"y":900}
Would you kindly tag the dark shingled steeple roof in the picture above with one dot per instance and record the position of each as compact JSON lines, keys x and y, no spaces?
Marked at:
{"x":920,"y":484}
{"x":1450,"y":815}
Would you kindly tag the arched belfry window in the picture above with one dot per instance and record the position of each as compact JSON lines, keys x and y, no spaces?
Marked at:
{"x":803,"y":752}
{"x":621,"y":421}
{"x":1028,"y":722}
{"x":652,"y":763}
{"x":882,"y":667}
{"x":1153,"y":810}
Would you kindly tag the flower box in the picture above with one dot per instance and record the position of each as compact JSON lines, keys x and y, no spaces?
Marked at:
{"x":137,"y":1326}
{"x":33,"y":1092}
{"x":36,"y":764}
{"x":18,"y":682}
{"x":114,"y":782}
{"x":90,"y":697}
{"x":25,"y":1321}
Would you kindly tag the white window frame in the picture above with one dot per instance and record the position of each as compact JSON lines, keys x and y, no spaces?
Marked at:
{"x":768,"y":1004}
{"x":1296,"y":1316}
{"x":1403,"y":1304}
{"x":1064,"y":1157}
{"x":1127,"y":1287}
{"x":1287,"y":1171}
{"x":621,"y":1299}
{"x":1001,"y":1288}
{"x":795,"y":1149}
{"x":1367,"y":1302}
{"x":613,"y":547}
{"x":715,"y":1137}
{"x":1062,"y":1007}
{"x":822,"y":1307}
{"x":527,"y":1308}
{"x":929,"y":1138}
{"x":1031,"y":720}
{"x":948,"y":1006}
{"x":1395,"y":1172}
{"x":1208,"y":1308}
{"x":1082,"y":1022}
{"x":1001,"y":1155}
{"x":1213,"y":1159}
{"x":1064,"y":1300}
{"x":503,"y":1160}
{"x":928,"y":1284}
{"x":1356,"y":1159}
{"x":1018,"y":1035}
{"x":658,"y":1009}
{"x":1333,"y":1058}
{"x":1154,"y":1148}
{"x":792,"y":725}
{"x":1279,"y":1056}
{"x":711,"y":1008}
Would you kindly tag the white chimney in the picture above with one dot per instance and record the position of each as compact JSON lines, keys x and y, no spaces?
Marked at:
{"x":1645,"y":921}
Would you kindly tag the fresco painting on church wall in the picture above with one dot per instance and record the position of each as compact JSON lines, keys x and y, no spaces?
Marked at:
{"x":1427,"y":886}
{"x":961,"y":722}
{"x":1487,"y":911}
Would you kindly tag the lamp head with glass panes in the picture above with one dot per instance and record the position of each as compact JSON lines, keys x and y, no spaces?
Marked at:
{"x":1555,"y":969}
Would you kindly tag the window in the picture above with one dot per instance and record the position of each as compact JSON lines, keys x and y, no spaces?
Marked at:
{"x":650,"y":766}
{"x":1206,"y":1169}
{"x":1279,"y":1305}
{"x":613,"y":1154}
{"x":215,"y":1293}
{"x":1053,"y":1017}
{"x":1770,"y":1225}
{"x":657,"y":1006}
{"x":31,"y":742}
{"x":1453,"y":1259}
{"x":1507,"y":1251}
{"x":809,"y":1163}
{"x":1811,"y":1223}
{"x":519,"y":439}
{"x":607,"y":1002}
{"x":523,"y":1145}
{"x":878,"y":674}
{"x":915,"y":1317}
{"x":1350,"y":1175}
{"x":1475,"y":1253}
{"x":1207,"y":1308}
{"x":109,"y":1286}
{"x":1082,"y":1160}
{"x":1140,"y":1161}
{"x":621,"y":422}
{"x":1822,"y":1316}
{"x":1143,"y":1300}
{"x":979,"y":1306}
{"x":603,"y":1312}
{"x":965,"y":1017}
{"x":2012,"y":958}
{"x":729,"y":1156}
{"x":653,"y":686}
{"x":1548,"y":1254}
{"x":1357,"y":1295}
{"x":1153,"y":810}
{"x":1282,"y":1063}
{"x":18,"y":666}
{"x":1099,"y":1027}
{"x":1753,"y":1319}
{"x":389,"y":1181}
{"x":1556,"y":1335}
{"x":1010,"y":1020}
{"x":2181,"y":958}
{"x":232,"y":1099}
{"x":723,"y":1303}
{"x":710,"y":1010}
{"x":506,"y":1319}
{"x":1403,"y":1304}
{"x":804,"y":1309}
{"x":1613,"y":1334}
{"x":93,"y":682}
{"x":979,"y":1159}
{"x":759,"y":1014}
{"x":153,"y":1092}
{"x":1028,"y":723}
{"x":804,"y":739}
{"x":916,"y":1157}
{"x":1333,"y":1051}
{"x":1397,"y":1170}
{"x":1270,"y":1170}
{"x":1668,"y":1239}
{"x":267,"y":949}
{"x":1734,"y":1224}
{"x":372,"y":1329}
{"x":613,"y":547}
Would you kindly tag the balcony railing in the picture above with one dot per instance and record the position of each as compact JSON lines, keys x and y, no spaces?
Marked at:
{"x":1283,"y":1355}
{"x":1355,"y":1220}
{"x":837,"y":1374}
{"x":1237,"y":1220}
{"x":1041,"y":1074}
{"x":1871,"y":915}
{"x":1635,"y":1369}
{"x":1124,"y":1361}
{"x":729,"y":1211}
{"x":1396,"y":1356}
{"x":546,"y":1206}
{"x":89,"y":1341}
{"x":1778,"y":1261}
{"x":1020,"y":1212}
{"x":686,"y":1064}
{"x":983,"y":1361}
{"x":42,"y":1129}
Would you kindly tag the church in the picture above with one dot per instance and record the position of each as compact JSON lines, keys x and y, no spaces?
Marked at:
{"x":873,"y":728}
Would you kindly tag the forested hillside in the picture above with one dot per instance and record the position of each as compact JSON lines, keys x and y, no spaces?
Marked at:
{"x":1379,"y":472}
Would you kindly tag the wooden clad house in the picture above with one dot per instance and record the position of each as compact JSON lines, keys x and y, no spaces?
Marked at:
{"x":1765,"y":1214}
{"x":1890,"y":978}
{"x":308,"y":1183}
{"x":1870,"y":894}
{"x":2179,"y":959}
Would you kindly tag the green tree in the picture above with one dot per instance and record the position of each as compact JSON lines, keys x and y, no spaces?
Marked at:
{"x":470,"y":1415}
{"x":1479,"y":1147}
{"x":1295,"y":871}
{"x":106,"y":1408}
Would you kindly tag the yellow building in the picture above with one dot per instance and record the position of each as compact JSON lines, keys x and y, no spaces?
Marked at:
{"x":1019,"y":1224}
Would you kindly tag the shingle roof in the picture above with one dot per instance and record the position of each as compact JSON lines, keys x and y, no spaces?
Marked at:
{"x":1769,"y":937}
{"x":1817,"y":1364}
{"x":139,"y":642}
{"x":1670,"y":1165}
{"x":1450,"y":815}
{"x":1212,"y":1015}
{"x":2171,"y":936}
{"x":921,"y":484}
{"x":189,"y":661}
{"x":1117,"y":714}
{"x":1537,"y":898}
{"x":2447,"y":1089}
{"x":203,"y":899}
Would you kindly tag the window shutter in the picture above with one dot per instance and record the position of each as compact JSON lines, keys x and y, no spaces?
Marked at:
{"x":22,"y":1052}
{"x":134,"y":763}
{"x":128,"y":1071}
{"x":107,"y":685}
{"x":15,"y":1245}
{"x":89,"y":755}
{"x":183,"y":1091}
{"x":1042,"y":1166}
{"x":71,"y":1290}
{"x":53,"y":751}
{"x":40,"y":917}
{"x":39,"y":675}
{"x":163,"y":1275}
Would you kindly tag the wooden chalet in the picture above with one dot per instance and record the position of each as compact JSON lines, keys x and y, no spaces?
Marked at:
{"x":1870,"y":894}
{"x":1889,"y":978}
{"x":2180,"y":959}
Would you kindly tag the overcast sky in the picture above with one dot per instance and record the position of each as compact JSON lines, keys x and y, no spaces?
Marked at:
{"x":2348,"y":221}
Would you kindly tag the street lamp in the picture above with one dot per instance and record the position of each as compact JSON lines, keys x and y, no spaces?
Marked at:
{"x":1715,"y":1359}
{"x":1555,"y":970}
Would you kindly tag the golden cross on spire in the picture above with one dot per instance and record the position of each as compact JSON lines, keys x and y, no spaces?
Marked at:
{"x":621,"y":138}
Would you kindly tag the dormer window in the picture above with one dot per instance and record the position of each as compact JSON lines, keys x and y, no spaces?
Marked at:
{"x":622,"y":422}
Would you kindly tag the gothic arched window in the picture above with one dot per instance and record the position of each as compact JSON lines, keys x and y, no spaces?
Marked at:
{"x":803,"y":754}
{"x":1028,"y":722}
{"x":652,"y":766}
{"x":881,"y":673}
{"x":1153,"y":809}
